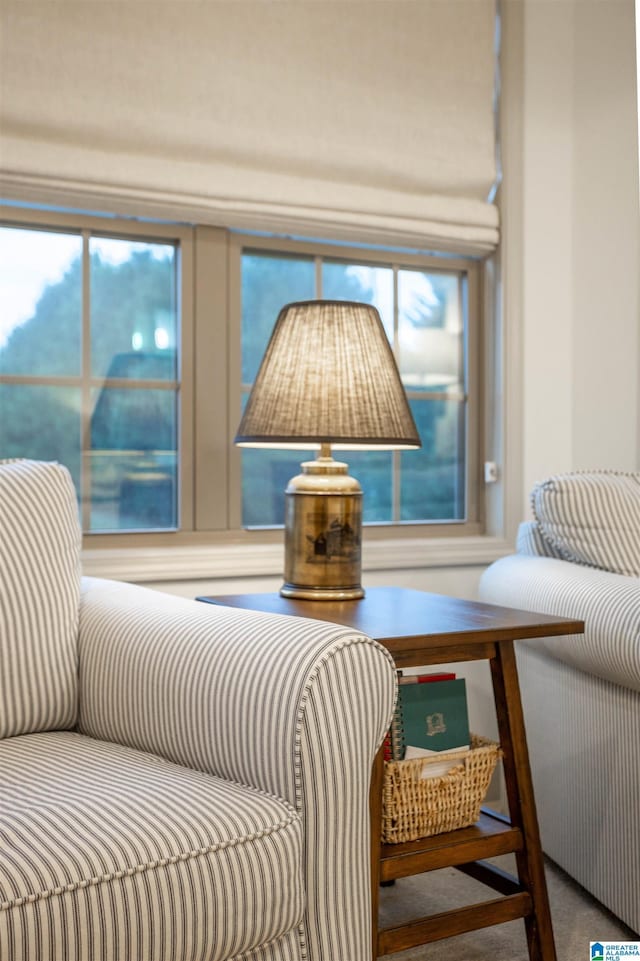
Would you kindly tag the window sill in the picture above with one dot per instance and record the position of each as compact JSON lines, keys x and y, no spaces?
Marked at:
{"x":198,"y":562}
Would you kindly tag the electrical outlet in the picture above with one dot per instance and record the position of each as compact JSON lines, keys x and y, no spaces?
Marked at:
{"x":490,"y":472}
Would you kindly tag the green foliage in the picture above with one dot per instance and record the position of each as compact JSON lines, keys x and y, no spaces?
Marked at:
{"x":268,"y":283}
{"x":49,"y":344}
{"x":129,"y":298}
{"x":125,"y":298}
{"x":41,"y":422}
{"x":44,"y":421}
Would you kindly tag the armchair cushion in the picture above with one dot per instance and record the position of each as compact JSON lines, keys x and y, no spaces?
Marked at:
{"x":591,"y":518}
{"x":177,"y":863}
{"x":39,"y":597}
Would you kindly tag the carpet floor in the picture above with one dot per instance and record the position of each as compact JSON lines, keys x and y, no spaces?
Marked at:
{"x":577,"y":918}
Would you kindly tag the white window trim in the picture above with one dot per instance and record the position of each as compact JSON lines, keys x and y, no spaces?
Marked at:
{"x":221,"y":562}
{"x":501,"y":443}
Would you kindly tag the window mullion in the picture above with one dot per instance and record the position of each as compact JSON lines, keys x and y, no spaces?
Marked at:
{"x":85,"y":417}
{"x":395,"y":458}
{"x":217,"y":396}
{"x":318,"y":263}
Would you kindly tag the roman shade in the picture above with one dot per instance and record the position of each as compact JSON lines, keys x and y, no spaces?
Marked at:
{"x":346,"y":116}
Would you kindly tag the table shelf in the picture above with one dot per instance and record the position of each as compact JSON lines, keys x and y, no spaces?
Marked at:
{"x":489,"y":837}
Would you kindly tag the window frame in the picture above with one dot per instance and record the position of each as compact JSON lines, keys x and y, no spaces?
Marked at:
{"x":122,"y":228}
{"x":209,"y":357}
{"x":471,"y":266}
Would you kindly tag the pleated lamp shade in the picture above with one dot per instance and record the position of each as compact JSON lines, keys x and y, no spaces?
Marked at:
{"x":328,"y":376}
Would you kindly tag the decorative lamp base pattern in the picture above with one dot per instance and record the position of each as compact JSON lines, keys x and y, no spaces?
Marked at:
{"x":323,"y":533}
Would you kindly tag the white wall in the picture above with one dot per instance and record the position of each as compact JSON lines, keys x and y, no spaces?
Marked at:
{"x":606,"y":234}
{"x":580,"y":237}
{"x":454,"y":581}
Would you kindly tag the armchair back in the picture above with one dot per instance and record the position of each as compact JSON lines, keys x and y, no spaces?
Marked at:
{"x":39,"y":597}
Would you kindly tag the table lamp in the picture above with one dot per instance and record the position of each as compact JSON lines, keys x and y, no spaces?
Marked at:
{"x":328,"y":379}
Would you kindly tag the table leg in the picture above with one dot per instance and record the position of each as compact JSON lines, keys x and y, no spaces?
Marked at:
{"x":522,"y":807}
{"x":375,"y":814}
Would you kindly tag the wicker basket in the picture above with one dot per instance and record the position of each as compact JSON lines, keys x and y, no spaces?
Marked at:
{"x":415,"y":807}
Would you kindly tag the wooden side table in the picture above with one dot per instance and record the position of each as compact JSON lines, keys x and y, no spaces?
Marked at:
{"x":421,"y":629}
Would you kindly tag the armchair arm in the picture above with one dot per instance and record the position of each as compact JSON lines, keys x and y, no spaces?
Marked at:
{"x":608,"y":603}
{"x":292,"y":706}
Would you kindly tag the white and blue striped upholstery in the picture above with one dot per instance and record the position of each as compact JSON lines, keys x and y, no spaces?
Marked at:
{"x":609,"y":604}
{"x":592,"y":518}
{"x":581,"y":693}
{"x":137,"y":858}
{"x":212,"y":801}
{"x":530,"y":540}
{"x":584,"y":742}
{"x":39,"y":597}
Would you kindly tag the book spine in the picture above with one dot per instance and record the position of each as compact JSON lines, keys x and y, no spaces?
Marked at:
{"x":425,"y":678}
{"x":396,"y":733}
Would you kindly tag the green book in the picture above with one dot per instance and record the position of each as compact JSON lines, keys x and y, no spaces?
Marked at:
{"x":433,"y":716}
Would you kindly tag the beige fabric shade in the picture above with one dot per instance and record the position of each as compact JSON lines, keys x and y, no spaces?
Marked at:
{"x":212,"y":112}
{"x":328,"y":376}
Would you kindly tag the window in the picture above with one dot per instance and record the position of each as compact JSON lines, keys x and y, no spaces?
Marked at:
{"x":98,"y":370}
{"x":425,"y":313}
{"x":89,"y":368}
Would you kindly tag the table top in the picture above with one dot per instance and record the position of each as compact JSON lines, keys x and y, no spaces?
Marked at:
{"x":391,"y":614}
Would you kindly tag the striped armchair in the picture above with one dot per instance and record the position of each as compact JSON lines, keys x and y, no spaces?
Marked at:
{"x":580,"y":557}
{"x":178,"y":782}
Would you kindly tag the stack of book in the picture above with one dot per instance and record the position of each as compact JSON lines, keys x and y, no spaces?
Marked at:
{"x":431,"y":717}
